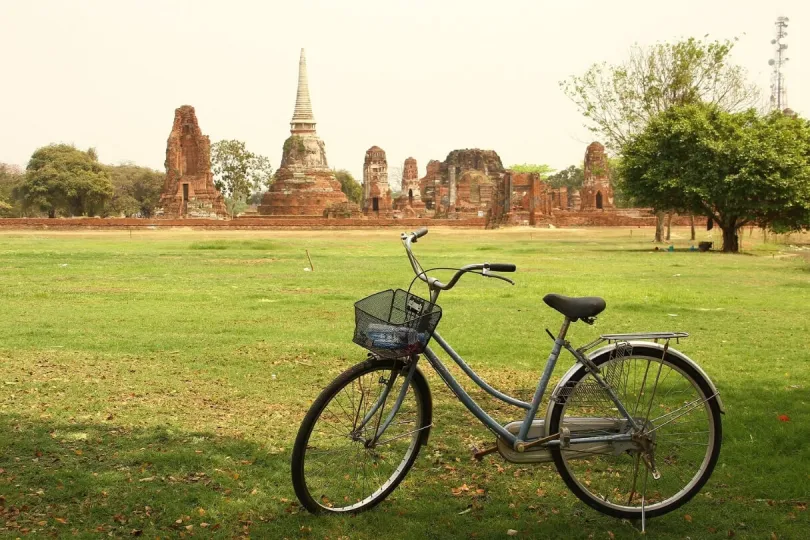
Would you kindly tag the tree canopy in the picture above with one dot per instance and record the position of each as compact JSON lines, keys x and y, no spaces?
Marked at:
{"x":62,"y":179}
{"x":238,"y":172}
{"x":619,"y":100}
{"x":572,"y":178}
{"x":11,"y":177}
{"x":735,"y":168}
{"x":540,"y":168}
{"x":349,"y":186}
{"x":137,"y":189}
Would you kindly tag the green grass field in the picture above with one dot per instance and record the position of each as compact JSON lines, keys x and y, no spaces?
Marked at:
{"x":153,"y":382}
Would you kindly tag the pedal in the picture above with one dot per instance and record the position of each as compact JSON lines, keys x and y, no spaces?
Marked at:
{"x":479,"y":455}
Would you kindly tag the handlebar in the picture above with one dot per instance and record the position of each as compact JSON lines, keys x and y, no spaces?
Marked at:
{"x":433,"y":283}
{"x":419,"y":233}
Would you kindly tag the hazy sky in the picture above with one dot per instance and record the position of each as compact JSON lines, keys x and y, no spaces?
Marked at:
{"x":417,"y":78}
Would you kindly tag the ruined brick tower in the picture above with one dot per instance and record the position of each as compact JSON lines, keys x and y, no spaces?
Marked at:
{"x":596,"y":193}
{"x":189,"y":189}
{"x":376,"y":190}
{"x":304,"y":184}
{"x":411,"y":194}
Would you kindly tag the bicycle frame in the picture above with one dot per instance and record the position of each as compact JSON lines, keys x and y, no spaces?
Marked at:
{"x":519,"y":441}
{"x":537,"y":399}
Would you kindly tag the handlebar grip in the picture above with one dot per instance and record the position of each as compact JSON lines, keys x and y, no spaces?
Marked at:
{"x":419,"y":233}
{"x":502,"y":267}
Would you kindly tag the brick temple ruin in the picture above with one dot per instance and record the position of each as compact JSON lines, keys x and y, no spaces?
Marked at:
{"x":409,"y":203}
{"x":596,"y":193}
{"x":376,"y":190}
{"x":473,"y":183}
{"x":189,"y":191}
{"x":304,"y":185}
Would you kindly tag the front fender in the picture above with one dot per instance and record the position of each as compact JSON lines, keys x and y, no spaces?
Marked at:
{"x":645,"y":344}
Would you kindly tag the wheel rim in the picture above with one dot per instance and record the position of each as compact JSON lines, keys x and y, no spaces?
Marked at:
{"x":341,"y":472}
{"x":675,"y":417}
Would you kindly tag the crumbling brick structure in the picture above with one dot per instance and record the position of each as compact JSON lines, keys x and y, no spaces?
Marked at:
{"x":596,"y":193}
{"x":464,"y":183}
{"x":189,"y":190}
{"x":304,"y":185}
{"x":376,"y":190}
{"x":409,"y":203}
{"x":427,"y":185}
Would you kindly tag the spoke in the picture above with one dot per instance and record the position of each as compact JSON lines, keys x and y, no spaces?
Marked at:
{"x":695,"y":407}
{"x":403,"y":435}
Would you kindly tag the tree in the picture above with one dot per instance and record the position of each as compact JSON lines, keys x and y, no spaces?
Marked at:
{"x":11,"y":177}
{"x":239,"y":172}
{"x":542,"y":169}
{"x":349,"y":186}
{"x":619,"y":100}
{"x":137,"y":189}
{"x":572,"y":178}
{"x":61,"y":178}
{"x":734,"y":168}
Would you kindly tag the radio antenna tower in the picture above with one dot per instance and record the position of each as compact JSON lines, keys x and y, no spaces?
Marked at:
{"x":778,"y":89}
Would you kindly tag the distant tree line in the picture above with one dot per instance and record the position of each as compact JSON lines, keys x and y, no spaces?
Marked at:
{"x":61,"y":180}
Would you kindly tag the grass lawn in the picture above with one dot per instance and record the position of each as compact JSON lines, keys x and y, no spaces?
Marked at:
{"x":153,"y":383}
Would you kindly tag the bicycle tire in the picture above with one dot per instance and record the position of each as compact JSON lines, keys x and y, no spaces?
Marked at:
{"x":315,"y":502}
{"x":582,"y":489}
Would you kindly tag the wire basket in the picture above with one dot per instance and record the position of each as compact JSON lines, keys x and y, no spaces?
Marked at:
{"x":393,"y":324}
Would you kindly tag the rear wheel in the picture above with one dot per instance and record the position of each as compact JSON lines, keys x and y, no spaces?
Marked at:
{"x":678,"y":438}
{"x":337,"y":466}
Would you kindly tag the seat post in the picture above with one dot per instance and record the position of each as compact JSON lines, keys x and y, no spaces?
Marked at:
{"x":564,"y":329}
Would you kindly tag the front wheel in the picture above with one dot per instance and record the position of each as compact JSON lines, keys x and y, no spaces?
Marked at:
{"x":674,"y":447}
{"x":338,"y":462}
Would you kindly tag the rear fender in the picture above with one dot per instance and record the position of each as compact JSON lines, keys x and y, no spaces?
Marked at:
{"x":651,"y":347}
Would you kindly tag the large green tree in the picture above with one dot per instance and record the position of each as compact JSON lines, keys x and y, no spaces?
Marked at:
{"x":238,"y":172}
{"x":735,"y":168}
{"x":349,"y":186}
{"x":619,"y":100}
{"x":62,"y":179}
{"x":137,"y":189}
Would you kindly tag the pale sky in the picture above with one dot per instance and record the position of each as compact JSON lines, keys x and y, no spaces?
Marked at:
{"x":417,"y":78}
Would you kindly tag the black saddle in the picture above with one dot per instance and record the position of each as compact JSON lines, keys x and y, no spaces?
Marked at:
{"x":576,"y":308}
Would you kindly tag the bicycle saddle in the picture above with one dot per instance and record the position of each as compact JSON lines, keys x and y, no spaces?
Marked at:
{"x":583,"y":307}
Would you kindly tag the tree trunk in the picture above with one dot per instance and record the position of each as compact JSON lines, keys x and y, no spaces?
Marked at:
{"x":731,"y":242}
{"x":669,"y":226}
{"x":659,"y":227}
{"x":52,"y":213}
{"x":692,"y":225}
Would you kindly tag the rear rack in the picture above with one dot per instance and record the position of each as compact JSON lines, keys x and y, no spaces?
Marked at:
{"x":617,"y":338}
{"x":644,"y":335}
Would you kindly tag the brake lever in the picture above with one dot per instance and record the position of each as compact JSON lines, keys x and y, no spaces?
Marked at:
{"x":485,"y":273}
{"x":506,"y":279}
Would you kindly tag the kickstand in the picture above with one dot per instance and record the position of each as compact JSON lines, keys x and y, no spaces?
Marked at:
{"x":644,"y":506}
{"x":643,"y":517}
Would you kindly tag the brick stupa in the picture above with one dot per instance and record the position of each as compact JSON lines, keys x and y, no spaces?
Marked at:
{"x":304,"y":185}
{"x":189,"y":190}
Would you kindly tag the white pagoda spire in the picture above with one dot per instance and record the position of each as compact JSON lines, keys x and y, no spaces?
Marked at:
{"x":303,"y":121}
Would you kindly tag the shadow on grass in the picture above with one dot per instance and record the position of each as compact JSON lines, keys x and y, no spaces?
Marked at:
{"x":85,"y":478}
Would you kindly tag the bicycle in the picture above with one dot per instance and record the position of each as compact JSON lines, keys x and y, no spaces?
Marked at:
{"x":633,"y":427}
